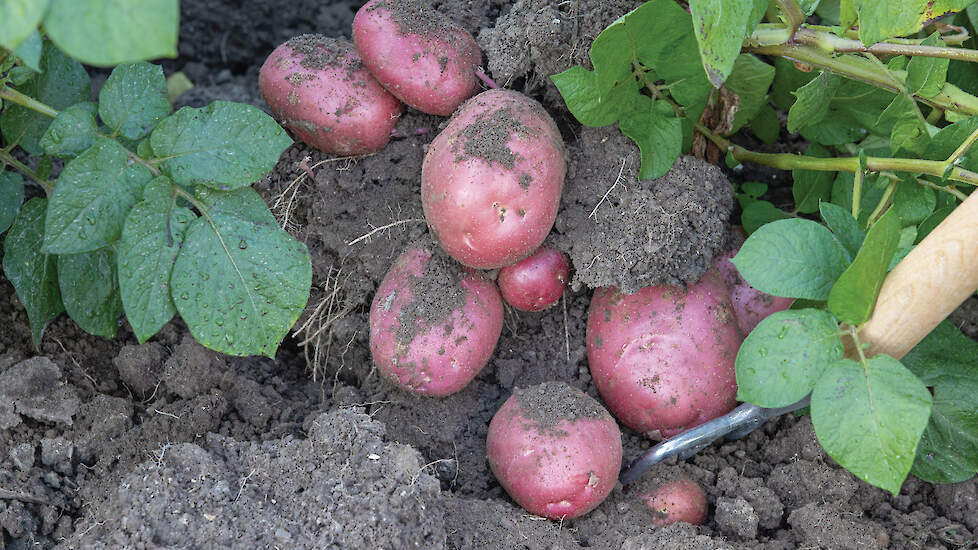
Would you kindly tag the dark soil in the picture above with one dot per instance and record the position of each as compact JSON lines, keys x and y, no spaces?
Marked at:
{"x":110,"y":444}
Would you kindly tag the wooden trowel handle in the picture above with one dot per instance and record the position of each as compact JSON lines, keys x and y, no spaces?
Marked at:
{"x":933,"y":280}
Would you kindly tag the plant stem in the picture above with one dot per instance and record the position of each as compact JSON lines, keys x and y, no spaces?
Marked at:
{"x":14,"y":96}
{"x":7,"y":158}
{"x":884,"y":202}
{"x":963,"y":148}
{"x":793,"y":16}
{"x":829,"y":42}
{"x":139,"y":160}
{"x":945,"y":188}
{"x":951,"y":98}
{"x":787,"y":161}
{"x":857,"y":191}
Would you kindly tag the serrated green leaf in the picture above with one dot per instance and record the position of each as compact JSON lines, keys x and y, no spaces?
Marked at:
{"x":784,"y":356}
{"x":29,"y":51}
{"x":795,"y":258}
{"x":869,"y":418}
{"x":239,"y":281}
{"x":853,"y":296}
{"x":843,"y":226}
{"x":750,"y":80}
{"x":812,"y":101}
{"x":151,"y":240}
{"x":879,"y":19}
{"x":62,"y":82}
{"x":11,"y":197}
{"x":658,"y":134}
{"x":18,"y":19}
{"x":94,"y":194}
{"x":721,"y":26}
{"x":110,"y":32}
{"x":33,"y":274}
{"x":927,"y":75}
{"x":758,"y":213}
{"x":812,"y":186}
{"x":585,"y":100}
{"x":913,"y":202}
{"x":133,"y":100}
{"x":71,"y":132}
{"x":223,"y":146}
{"x":90,"y":290}
{"x":948,"y":449}
{"x":766,"y":125}
{"x":932,"y":221}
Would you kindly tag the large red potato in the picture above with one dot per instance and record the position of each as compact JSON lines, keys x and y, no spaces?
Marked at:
{"x":433,"y":324}
{"x":535,"y":282}
{"x":663,"y":358}
{"x":318,"y":88}
{"x":491,"y":180}
{"x":750,"y":305}
{"x":555,"y":450}
{"x":679,"y":500}
{"x":417,"y":53}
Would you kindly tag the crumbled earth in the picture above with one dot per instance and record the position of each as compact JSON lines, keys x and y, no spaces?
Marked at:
{"x":111,"y":444}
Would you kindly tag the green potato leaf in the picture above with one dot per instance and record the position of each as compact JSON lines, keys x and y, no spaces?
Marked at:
{"x":853,"y":296}
{"x":33,"y":274}
{"x":927,"y":75}
{"x":90,"y":290}
{"x":758,"y":213}
{"x":109,"y":32}
{"x":151,"y":240}
{"x":658,"y":133}
{"x":812,"y":186}
{"x":721,"y":26}
{"x":588,"y":103}
{"x":71,"y":132}
{"x":869,"y":418}
{"x":134,"y":99}
{"x":880,"y":19}
{"x":750,"y":80}
{"x":223,"y":146}
{"x":239,"y":281}
{"x":784,"y":356}
{"x":843,"y":226}
{"x":29,"y":51}
{"x":18,"y":19}
{"x":11,"y":197}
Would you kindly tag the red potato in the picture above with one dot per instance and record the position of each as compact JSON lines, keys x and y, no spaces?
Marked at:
{"x":680,"y":500}
{"x":491,"y":180}
{"x":535,"y":282}
{"x":417,"y":53}
{"x":663,"y":358}
{"x":750,"y":305}
{"x":433,"y":325}
{"x":318,"y":88}
{"x":555,"y":450}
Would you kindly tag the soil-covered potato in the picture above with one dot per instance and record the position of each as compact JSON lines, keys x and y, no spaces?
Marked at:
{"x":535,"y":282}
{"x":663,"y":357}
{"x":319,"y":88}
{"x":679,"y":500}
{"x":420,"y":55}
{"x":491,"y":181}
{"x":433,"y":325}
{"x":555,"y":450}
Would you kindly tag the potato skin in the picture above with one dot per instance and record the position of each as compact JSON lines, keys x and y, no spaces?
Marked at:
{"x":750,"y":305}
{"x":680,"y":500}
{"x":418,"y":54}
{"x":535,"y":282}
{"x":318,"y":87}
{"x":491,"y":180}
{"x":560,"y":471}
{"x":663,"y":358}
{"x":441,"y":358}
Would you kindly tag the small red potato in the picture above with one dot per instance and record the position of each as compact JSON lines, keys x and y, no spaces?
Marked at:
{"x":491,"y":180}
{"x":433,"y":325}
{"x":680,"y":500}
{"x":663,"y":358}
{"x":750,"y":305}
{"x":418,"y":54}
{"x":555,"y":450}
{"x":535,"y":282}
{"x":318,"y":88}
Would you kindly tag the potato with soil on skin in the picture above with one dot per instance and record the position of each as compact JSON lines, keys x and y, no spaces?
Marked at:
{"x":491,"y":180}
{"x":535,"y":282}
{"x":663,"y":358}
{"x":433,"y":324}
{"x":418,"y":54}
{"x":679,"y":500}
{"x":319,"y":88}
{"x":555,"y":450}
{"x":750,"y":305}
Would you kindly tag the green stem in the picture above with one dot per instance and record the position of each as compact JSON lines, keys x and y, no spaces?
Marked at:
{"x":884,"y":202}
{"x":829,"y":42}
{"x":14,"y":96}
{"x":139,"y":160}
{"x":857,"y":191}
{"x":945,"y":188}
{"x":787,"y":161}
{"x":950,"y":98}
{"x":963,"y":148}
{"x":7,"y":158}
{"x":793,"y":16}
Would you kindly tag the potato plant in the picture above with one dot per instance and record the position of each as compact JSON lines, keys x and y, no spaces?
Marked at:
{"x":153,"y":213}
{"x":884,"y":94}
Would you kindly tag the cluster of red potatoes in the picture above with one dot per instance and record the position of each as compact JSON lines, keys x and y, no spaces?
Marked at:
{"x":662,"y":358}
